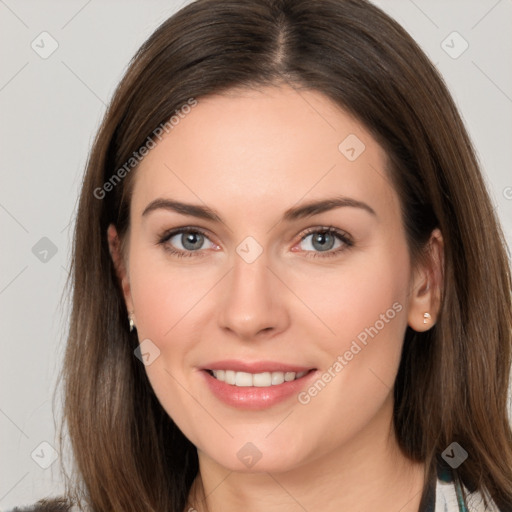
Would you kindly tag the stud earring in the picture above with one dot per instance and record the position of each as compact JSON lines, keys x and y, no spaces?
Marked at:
{"x":426,"y":316}
{"x":131,"y":322}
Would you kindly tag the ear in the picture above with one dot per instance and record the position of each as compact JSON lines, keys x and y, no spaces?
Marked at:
{"x":114,"y":246}
{"x":426,"y":286}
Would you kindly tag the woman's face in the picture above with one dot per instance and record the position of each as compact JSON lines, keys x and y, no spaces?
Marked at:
{"x":262,"y":289}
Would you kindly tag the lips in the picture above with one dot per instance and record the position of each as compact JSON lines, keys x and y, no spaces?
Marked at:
{"x":256,"y":385}
{"x":255,"y":366}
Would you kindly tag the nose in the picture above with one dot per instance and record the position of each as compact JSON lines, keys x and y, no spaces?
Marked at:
{"x":253,"y":301}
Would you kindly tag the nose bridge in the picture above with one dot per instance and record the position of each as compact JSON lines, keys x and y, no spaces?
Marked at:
{"x":252,"y":299}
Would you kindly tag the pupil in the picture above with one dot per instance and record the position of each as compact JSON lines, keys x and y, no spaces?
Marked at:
{"x":321,"y":239}
{"x":192,"y":241}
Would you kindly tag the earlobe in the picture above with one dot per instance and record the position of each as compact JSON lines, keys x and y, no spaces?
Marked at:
{"x":426,"y":289}
{"x":119,"y":265}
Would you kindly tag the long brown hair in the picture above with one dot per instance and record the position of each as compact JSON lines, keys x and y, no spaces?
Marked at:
{"x":453,"y":379}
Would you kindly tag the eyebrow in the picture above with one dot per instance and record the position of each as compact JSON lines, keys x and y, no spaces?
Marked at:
{"x":298,"y":212}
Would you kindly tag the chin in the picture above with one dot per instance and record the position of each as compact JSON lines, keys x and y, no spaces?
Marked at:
{"x":257,"y":456}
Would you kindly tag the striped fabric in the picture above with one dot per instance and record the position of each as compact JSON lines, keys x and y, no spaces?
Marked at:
{"x":448,"y":496}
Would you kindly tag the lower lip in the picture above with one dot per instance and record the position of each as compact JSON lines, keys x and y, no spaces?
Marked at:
{"x":253,"y":397}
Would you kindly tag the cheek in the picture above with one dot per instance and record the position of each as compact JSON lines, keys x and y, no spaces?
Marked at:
{"x":164,"y":297}
{"x":361,"y":301}
{"x":163,"y":293}
{"x":364,"y":306}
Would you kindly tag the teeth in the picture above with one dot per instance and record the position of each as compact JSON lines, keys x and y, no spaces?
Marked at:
{"x":243,"y":379}
{"x":260,"y":380}
{"x":288,"y":376}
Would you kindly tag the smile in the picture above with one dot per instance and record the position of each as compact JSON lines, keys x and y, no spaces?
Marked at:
{"x":257,"y":385}
{"x":261,"y":380}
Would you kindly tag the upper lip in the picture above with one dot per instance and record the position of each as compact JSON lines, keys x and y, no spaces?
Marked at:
{"x":255,"y":366}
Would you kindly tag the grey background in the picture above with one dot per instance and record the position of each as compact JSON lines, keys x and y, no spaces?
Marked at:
{"x":50,"y":110}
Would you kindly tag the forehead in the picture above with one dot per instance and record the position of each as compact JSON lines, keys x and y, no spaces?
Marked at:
{"x":263,"y":150}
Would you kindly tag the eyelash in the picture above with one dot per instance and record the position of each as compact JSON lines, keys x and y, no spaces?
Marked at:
{"x":331,"y":230}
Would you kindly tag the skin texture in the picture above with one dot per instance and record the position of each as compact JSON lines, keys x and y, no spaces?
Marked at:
{"x":251,"y":155}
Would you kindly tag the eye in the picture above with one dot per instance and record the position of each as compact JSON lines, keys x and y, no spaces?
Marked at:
{"x":191,"y":241}
{"x":324,"y":241}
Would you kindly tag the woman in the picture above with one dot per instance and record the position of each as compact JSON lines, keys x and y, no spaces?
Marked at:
{"x":290,"y":290}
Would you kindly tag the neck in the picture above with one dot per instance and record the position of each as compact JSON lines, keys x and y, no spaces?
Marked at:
{"x":369,"y":472}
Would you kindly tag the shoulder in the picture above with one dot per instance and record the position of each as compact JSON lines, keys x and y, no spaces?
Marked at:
{"x":452,"y":496}
{"x":46,"y":505}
